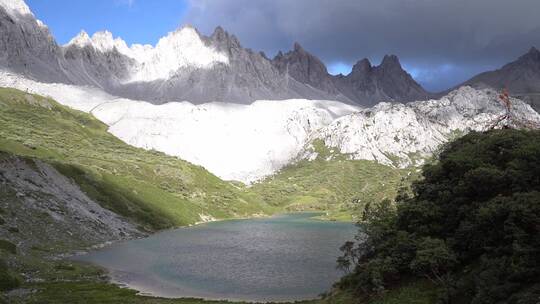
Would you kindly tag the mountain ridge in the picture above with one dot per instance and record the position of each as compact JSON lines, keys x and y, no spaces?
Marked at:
{"x":183,"y":65}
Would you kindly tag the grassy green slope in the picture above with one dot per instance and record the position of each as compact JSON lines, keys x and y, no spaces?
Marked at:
{"x":156,"y":190}
{"x":331,"y":182}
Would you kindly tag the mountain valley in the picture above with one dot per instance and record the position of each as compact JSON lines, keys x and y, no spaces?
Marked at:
{"x":103,"y":142}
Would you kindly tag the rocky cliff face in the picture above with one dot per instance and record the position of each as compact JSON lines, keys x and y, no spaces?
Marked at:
{"x":308,"y":69}
{"x":26,"y":45}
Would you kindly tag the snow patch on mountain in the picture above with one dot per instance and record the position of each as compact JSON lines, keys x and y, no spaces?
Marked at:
{"x":405,"y":134}
{"x":180,"y":49}
{"x":15,"y":7}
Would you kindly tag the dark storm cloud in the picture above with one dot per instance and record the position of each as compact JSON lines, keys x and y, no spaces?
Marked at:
{"x":441,"y":41}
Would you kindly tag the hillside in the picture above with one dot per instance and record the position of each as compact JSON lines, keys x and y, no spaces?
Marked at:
{"x":155,"y":190}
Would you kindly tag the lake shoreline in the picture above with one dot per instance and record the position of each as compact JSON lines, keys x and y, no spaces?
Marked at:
{"x":146,"y":291}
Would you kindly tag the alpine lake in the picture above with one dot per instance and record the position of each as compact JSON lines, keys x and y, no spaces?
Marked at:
{"x":288,"y":257}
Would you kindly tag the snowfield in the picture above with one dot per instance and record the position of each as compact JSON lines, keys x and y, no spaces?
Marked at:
{"x":15,"y":7}
{"x":249,"y":142}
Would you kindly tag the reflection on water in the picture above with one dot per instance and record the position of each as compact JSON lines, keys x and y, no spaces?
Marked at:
{"x":289,"y":257}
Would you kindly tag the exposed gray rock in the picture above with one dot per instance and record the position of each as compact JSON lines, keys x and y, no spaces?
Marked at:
{"x":89,"y":66}
{"x":307,"y":69}
{"x":48,"y":209}
{"x":28,"y":48}
{"x":402,"y":135}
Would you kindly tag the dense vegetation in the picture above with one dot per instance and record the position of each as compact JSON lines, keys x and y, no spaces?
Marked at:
{"x":471,"y":226}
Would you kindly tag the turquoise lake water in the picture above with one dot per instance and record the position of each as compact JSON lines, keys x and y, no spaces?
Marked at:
{"x":282,"y":258}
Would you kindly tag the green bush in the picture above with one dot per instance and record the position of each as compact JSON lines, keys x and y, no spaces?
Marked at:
{"x":471,"y":225}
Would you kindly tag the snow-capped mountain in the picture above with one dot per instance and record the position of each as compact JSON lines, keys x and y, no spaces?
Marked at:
{"x":184,"y":65}
{"x":15,"y":8}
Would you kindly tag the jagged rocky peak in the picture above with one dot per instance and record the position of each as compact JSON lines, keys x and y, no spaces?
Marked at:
{"x":221,"y":39}
{"x":362,"y":66}
{"x":301,"y":59}
{"x":105,"y":41}
{"x":305,"y":68}
{"x":390,"y":59}
{"x":533,"y":50}
{"x":81,"y":40}
{"x":521,"y":77}
{"x":391,"y":62}
{"x":298,"y":48}
{"x":532,"y":55}
{"x":388,"y":81}
{"x":102,"y":41}
{"x":182,"y":36}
